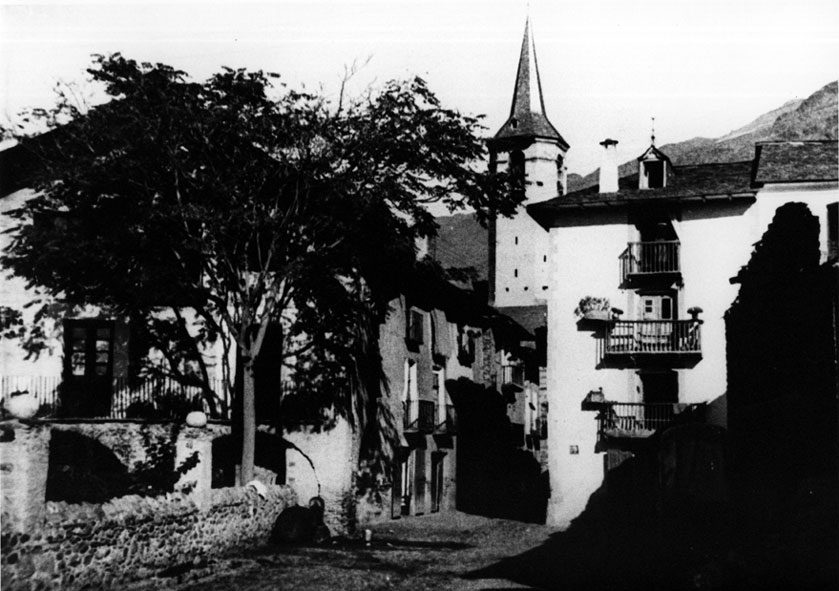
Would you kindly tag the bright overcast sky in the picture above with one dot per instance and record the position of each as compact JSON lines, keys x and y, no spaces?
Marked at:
{"x":701,"y":67}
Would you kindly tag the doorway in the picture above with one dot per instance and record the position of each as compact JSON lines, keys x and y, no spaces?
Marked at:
{"x":88,"y":368}
{"x":437,"y":480}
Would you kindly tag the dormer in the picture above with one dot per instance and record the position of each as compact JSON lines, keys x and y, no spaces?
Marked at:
{"x":653,"y":169}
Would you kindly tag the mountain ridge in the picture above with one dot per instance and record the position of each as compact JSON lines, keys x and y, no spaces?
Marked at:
{"x":813,"y":118}
{"x":462,"y":243}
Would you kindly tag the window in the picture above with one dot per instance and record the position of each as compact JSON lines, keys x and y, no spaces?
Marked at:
{"x":440,"y":388}
{"x":465,"y":345}
{"x":517,"y":175}
{"x":657,"y":307}
{"x":89,"y":347}
{"x":517,"y":240}
{"x":410,"y":389}
{"x":655,"y":174}
{"x":413,"y":326}
{"x":515,"y":272}
{"x":833,"y":231}
{"x":560,"y":188}
{"x":660,"y":387}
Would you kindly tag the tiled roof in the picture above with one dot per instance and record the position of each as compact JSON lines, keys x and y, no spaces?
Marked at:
{"x":790,"y":162}
{"x":527,"y":114}
{"x":728,"y":180}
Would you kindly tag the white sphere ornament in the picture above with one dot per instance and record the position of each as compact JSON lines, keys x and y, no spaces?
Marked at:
{"x":23,"y":406}
{"x":196,"y":418}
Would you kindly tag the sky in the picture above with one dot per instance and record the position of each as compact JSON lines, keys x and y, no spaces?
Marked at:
{"x":700,"y":67}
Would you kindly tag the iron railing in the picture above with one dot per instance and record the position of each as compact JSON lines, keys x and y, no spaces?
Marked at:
{"x":419,"y":416}
{"x":633,"y":337}
{"x":638,"y":419}
{"x":650,"y":258}
{"x":117,"y":398}
{"x":446,"y":419}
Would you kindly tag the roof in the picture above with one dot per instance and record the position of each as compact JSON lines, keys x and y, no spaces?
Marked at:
{"x":655,"y":153}
{"x":530,"y":318}
{"x":527,"y":113}
{"x":796,"y":162}
{"x":729,"y":180}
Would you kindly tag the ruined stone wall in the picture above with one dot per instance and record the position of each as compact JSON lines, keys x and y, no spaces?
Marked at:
{"x":134,"y":538}
{"x":57,"y":545}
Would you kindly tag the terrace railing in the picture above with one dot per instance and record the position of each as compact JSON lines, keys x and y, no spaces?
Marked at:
{"x":653,"y":337}
{"x":419,"y":416}
{"x":446,"y":419}
{"x":116,"y":398}
{"x":650,"y":258}
{"x":624,"y":419}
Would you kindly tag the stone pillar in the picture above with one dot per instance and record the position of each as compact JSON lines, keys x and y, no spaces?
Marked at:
{"x":199,"y":479}
{"x":24,"y":461}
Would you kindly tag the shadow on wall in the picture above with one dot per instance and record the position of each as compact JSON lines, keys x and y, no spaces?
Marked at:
{"x":83,"y":470}
{"x":659,"y":521}
{"x":782,"y":393}
{"x":270,"y":456}
{"x":494,"y":478}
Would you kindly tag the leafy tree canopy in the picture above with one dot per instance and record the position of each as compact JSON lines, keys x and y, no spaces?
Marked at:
{"x":243,"y":200}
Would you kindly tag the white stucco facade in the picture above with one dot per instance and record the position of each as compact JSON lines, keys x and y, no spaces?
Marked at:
{"x":716,"y":239}
{"x":522,"y":245}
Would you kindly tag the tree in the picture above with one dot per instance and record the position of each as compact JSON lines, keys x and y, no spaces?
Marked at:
{"x":249,"y":205}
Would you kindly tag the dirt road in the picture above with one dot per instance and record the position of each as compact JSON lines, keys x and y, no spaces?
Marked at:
{"x":439,"y":552}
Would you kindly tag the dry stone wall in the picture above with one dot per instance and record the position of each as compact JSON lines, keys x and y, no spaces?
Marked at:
{"x":57,"y":545}
{"x":133,"y":538}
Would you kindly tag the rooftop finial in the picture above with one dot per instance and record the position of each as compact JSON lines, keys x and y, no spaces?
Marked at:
{"x":652,"y":135}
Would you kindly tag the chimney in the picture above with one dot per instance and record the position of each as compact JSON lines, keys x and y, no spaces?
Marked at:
{"x":609,"y":167}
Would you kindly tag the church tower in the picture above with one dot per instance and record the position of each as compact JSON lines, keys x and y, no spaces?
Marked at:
{"x":530,"y":148}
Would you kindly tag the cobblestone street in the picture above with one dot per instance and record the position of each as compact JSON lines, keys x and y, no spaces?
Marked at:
{"x":430,"y":552}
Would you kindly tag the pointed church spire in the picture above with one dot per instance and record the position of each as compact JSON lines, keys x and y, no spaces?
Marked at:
{"x":527,"y":113}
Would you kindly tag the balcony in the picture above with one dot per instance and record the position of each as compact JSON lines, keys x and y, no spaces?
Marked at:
{"x":650,"y":259}
{"x":638,"y":420}
{"x":446,"y":419}
{"x":653,"y":340}
{"x":419,"y":416}
{"x":513,"y":375}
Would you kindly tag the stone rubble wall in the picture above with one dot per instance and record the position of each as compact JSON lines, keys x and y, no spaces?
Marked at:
{"x":133,"y":538}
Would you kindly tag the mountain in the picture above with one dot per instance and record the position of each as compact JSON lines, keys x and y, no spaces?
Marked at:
{"x":816,"y":117}
{"x":462,"y":242}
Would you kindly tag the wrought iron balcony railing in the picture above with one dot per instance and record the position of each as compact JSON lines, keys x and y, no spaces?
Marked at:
{"x":650,"y":258}
{"x":419,"y":416}
{"x":625,"y":419}
{"x":446,"y":419}
{"x":653,"y":337}
{"x":93,"y":397}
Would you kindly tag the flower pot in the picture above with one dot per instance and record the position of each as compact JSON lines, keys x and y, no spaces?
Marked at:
{"x":196,"y":418}
{"x":23,"y":406}
{"x":598,"y":315}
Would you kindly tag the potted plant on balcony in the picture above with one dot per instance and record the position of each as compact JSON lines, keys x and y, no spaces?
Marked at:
{"x":593,"y":308}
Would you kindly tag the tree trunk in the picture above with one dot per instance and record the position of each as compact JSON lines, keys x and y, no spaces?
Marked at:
{"x":248,"y":422}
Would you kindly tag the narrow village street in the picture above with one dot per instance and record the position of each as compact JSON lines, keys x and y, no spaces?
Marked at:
{"x":440,"y":551}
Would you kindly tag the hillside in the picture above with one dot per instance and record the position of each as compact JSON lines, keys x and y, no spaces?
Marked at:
{"x":812,"y":118}
{"x":462,"y":242}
